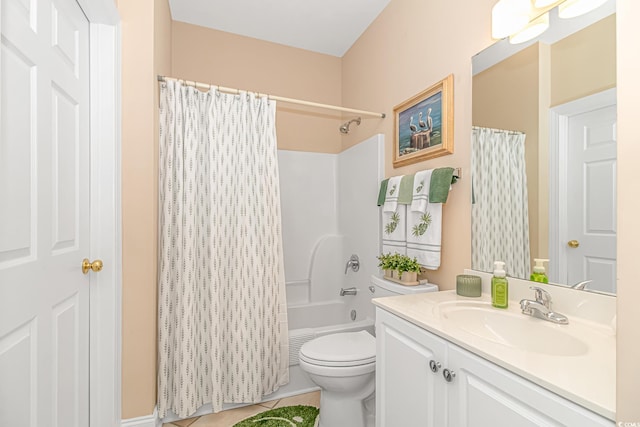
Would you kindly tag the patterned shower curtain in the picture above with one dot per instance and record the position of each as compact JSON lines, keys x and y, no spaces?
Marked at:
{"x":222,"y":322}
{"x":500,"y":213}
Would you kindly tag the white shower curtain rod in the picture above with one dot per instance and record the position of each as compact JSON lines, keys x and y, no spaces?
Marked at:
{"x":510,"y":132}
{"x":207,"y":86}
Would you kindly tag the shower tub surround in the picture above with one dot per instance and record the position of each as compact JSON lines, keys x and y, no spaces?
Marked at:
{"x":328,"y":213}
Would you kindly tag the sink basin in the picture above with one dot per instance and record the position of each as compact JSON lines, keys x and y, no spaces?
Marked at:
{"x":511,"y":329}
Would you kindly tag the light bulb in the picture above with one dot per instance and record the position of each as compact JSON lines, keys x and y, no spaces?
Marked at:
{"x":544,"y":3}
{"x":508,"y":17}
{"x":532,"y":30}
{"x":573,"y":8}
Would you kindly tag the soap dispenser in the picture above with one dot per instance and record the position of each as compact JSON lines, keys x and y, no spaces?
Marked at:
{"x":539,"y":274}
{"x":499,"y":286}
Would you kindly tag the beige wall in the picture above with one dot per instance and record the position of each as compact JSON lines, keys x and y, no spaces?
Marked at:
{"x":628,"y":78}
{"x":229,"y":60}
{"x":584,"y":63}
{"x":505,"y":96}
{"x":410,"y":46}
{"x":146,"y":33}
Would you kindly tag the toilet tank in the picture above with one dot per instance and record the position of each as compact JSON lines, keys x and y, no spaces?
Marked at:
{"x":387,"y":288}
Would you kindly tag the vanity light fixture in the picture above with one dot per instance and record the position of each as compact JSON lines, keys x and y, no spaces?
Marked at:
{"x":523,"y":20}
{"x":573,"y":8}
{"x":544,"y":3}
{"x":532,"y":30}
{"x":508,"y":17}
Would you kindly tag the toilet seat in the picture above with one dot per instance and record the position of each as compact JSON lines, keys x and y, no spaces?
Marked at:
{"x":340,"y":350}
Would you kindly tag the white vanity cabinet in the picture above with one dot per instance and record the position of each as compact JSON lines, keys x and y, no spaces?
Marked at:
{"x":408,"y":393}
{"x":479,"y":393}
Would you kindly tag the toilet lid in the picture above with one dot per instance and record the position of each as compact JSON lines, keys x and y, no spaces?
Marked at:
{"x":343,"y":349}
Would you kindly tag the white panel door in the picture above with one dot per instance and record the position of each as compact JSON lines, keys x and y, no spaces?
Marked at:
{"x":44,"y":214}
{"x":591,"y":198}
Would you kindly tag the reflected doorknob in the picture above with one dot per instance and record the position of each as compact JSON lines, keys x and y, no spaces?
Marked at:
{"x":573,"y":243}
{"x":94,"y":266}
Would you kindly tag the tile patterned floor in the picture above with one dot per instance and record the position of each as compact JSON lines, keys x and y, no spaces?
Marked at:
{"x":232,"y":416}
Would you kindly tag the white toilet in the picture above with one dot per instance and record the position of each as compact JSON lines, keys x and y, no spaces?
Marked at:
{"x":343,"y":365}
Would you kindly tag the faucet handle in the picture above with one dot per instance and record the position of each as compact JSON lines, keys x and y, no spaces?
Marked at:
{"x":581,"y":285}
{"x":354,"y":263}
{"x":542,"y":296}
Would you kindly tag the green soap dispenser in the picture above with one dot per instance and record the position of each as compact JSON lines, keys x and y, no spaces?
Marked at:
{"x":539,"y":274}
{"x":499,"y":286}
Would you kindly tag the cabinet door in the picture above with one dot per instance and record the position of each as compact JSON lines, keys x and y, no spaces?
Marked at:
{"x":483,"y":394}
{"x":408,"y":393}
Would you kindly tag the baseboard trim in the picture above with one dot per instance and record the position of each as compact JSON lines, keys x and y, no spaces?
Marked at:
{"x":145,"y":421}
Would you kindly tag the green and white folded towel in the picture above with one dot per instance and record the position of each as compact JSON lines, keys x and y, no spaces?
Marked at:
{"x":383,"y":191}
{"x":406,"y":190}
{"x":401,"y":190}
{"x":394,"y":190}
{"x":392,"y":195}
{"x":441,"y":180}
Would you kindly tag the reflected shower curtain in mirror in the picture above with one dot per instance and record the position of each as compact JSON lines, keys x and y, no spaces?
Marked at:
{"x":499,"y":213}
{"x":222,"y":322}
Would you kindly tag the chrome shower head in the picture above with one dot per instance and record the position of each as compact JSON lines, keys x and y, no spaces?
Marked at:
{"x":345,"y":127}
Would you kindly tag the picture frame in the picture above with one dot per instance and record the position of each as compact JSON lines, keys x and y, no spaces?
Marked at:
{"x":424,"y":125}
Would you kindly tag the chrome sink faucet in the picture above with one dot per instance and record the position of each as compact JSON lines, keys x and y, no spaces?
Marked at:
{"x":581,"y":285}
{"x":541,"y":307}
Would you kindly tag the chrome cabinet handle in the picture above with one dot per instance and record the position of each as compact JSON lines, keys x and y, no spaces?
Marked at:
{"x":434,"y":366}
{"x":448,"y":375}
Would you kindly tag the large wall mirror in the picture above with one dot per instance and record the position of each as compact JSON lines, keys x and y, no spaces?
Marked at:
{"x":553,"y":99}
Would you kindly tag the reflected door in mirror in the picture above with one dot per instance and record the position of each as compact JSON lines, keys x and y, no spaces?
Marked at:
{"x":591,"y":197}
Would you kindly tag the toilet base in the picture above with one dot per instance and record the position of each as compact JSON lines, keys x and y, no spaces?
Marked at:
{"x":343,"y":410}
{"x":337,"y":411}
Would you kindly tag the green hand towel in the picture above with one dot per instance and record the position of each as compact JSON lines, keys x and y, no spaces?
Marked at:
{"x":441,"y":180}
{"x":383,"y":192}
{"x":406,"y":190}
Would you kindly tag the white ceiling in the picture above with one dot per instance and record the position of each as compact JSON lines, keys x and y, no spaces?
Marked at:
{"x":325,"y":26}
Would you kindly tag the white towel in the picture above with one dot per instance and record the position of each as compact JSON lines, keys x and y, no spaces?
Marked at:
{"x":394,"y":228}
{"x":391,"y":198}
{"x":421,"y":183}
{"x":426,"y":246}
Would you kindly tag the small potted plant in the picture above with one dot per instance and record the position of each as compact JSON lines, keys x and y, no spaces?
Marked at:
{"x":408,"y":269}
{"x":387,"y":262}
{"x":399,"y":267}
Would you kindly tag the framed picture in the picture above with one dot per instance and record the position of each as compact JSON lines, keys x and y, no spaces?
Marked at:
{"x":424,"y":125}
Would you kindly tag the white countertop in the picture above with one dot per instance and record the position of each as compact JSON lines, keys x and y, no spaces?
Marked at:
{"x":587,"y":379}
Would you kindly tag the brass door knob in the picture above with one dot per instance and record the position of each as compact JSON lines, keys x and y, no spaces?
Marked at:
{"x":94,"y":266}
{"x":573,"y":243}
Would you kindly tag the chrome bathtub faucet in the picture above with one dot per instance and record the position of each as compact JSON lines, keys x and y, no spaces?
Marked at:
{"x":541,"y":307}
{"x":348,"y":291}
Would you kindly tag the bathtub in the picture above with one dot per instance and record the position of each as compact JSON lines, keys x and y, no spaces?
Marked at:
{"x":308,"y":321}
